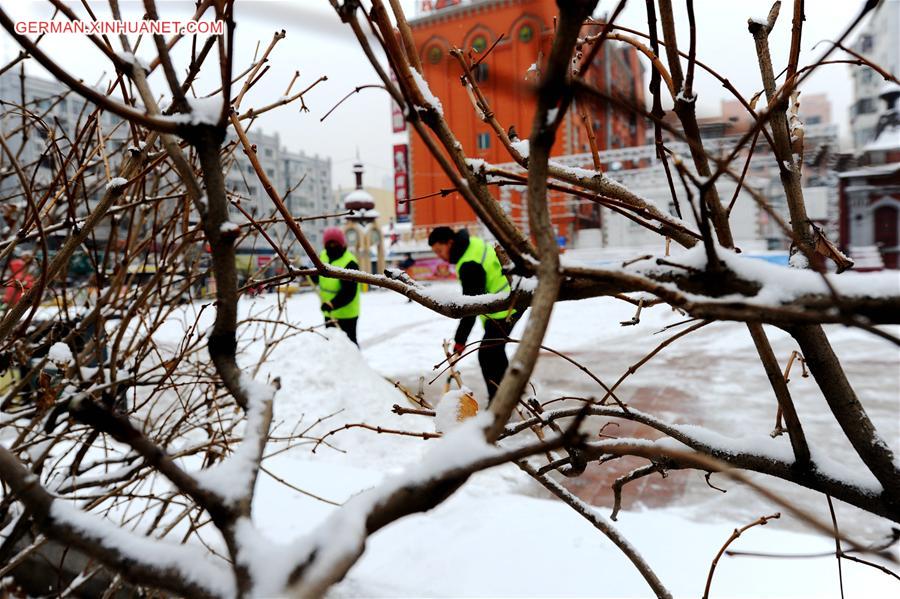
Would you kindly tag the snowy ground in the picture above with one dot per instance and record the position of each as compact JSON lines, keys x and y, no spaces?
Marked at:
{"x":500,"y":535}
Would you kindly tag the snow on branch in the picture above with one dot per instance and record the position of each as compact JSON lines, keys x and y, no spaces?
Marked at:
{"x":233,"y":478}
{"x":431,"y":100}
{"x":336,"y":544}
{"x":339,"y":540}
{"x":779,"y":285}
{"x":759,"y":453}
{"x":182,"y":569}
{"x":754,"y":290}
{"x":191,"y":564}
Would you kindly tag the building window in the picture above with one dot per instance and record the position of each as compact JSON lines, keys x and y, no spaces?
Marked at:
{"x":484,"y":141}
{"x":526,"y":33}
{"x":866,"y":43}
{"x":480,"y":72}
{"x":813,"y":120}
{"x":435,"y":54}
{"x":479,"y":44}
{"x":268,"y":152}
{"x":864,"y":106}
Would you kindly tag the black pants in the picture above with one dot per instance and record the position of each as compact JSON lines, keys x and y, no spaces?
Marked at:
{"x":492,"y":352}
{"x":348,"y":325}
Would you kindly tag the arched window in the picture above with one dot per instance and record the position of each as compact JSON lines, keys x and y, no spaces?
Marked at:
{"x":435,"y":54}
{"x":526,"y":33}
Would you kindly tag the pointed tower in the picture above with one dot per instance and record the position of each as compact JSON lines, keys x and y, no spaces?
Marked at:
{"x":359,"y":200}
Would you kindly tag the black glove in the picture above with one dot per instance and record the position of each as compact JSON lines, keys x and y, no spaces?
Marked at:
{"x":326,"y":307}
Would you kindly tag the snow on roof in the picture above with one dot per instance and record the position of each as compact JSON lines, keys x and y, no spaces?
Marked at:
{"x":359,"y":195}
{"x":889,"y":139}
{"x":881,"y":169}
{"x":409,"y":247}
{"x":398,"y":227}
{"x":888,"y":87}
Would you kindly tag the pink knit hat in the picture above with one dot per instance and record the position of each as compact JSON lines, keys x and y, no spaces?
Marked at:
{"x":334,"y":234}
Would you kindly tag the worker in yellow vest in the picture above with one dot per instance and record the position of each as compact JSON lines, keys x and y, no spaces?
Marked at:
{"x":479,"y":271}
{"x":340,"y":299}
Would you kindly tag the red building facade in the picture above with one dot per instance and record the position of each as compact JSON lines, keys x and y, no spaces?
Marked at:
{"x":506,"y":78}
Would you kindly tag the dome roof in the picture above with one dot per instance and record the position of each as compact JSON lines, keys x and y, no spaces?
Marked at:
{"x":359,"y":199}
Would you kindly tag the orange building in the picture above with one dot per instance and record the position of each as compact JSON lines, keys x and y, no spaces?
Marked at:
{"x":504,"y":78}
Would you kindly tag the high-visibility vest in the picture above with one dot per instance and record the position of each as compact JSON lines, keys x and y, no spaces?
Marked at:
{"x":329,"y":287}
{"x":495,"y":281}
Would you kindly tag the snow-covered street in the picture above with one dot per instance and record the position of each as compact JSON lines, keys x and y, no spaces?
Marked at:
{"x":478,"y":542}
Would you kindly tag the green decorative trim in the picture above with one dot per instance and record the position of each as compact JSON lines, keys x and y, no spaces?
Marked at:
{"x":526,"y":33}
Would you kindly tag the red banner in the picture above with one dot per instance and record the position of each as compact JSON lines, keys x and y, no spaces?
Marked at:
{"x":401,"y":182}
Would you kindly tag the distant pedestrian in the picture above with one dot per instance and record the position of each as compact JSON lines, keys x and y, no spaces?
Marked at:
{"x":340,"y":299}
{"x":479,"y":271}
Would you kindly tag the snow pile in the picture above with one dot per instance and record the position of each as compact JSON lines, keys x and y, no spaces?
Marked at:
{"x":456,"y":550}
{"x":324,"y":376}
{"x":453,"y":408}
{"x":60,"y":354}
{"x":798,"y":260}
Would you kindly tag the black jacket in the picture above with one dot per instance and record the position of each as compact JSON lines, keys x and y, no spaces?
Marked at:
{"x":472,"y":278}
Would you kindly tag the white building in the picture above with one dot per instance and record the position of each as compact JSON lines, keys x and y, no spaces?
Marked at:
{"x":753,"y":228}
{"x":304,"y":182}
{"x":879,"y":41}
{"x":51,"y":116}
